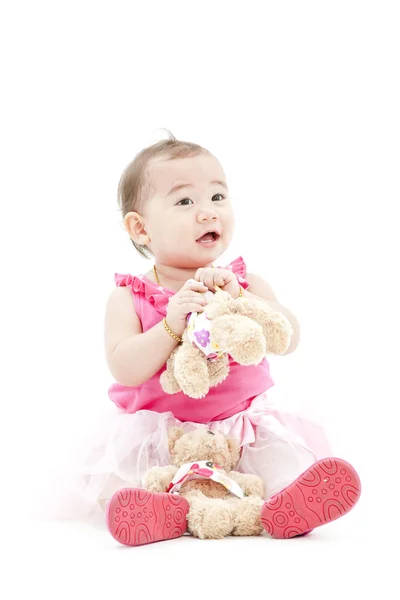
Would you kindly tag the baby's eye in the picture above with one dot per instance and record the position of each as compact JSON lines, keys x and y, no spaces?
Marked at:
{"x":185,"y":200}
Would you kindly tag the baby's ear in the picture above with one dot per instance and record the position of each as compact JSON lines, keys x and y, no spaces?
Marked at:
{"x":174,"y":433}
{"x":234,"y":449}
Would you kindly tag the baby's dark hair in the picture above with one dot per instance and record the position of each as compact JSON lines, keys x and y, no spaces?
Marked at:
{"x":134,"y":184}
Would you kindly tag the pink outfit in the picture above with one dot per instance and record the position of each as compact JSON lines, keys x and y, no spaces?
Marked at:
{"x":230,"y":397}
{"x":276,"y":445}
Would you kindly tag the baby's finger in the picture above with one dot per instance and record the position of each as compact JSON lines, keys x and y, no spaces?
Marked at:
{"x":193,"y":307}
{"x":213,"y":278}
{"x":194,"y":285}
{"x":219,"y":279}
{"x":192,"y":298}
{"x":199,"y":274}
{"x":208,"y":278}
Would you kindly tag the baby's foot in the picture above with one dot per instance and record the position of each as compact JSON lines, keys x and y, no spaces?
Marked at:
{"x":326,"y":491}
{"x":136,"y":516}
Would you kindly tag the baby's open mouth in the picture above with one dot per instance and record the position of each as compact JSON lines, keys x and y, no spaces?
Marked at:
{"x":209,"y":237}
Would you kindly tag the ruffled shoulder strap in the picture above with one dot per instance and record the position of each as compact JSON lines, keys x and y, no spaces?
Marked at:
{"x":153,"y":293}
{"x":122,"y":280}
{"x":238,"y":266}
{"x":158,"y":296}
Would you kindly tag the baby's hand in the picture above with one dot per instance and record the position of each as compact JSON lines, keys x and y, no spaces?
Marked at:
{"x":190,"y":298}
{"x":224,"y":278}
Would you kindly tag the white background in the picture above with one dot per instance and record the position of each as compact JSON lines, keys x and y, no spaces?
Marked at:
{"x":300,"y":103}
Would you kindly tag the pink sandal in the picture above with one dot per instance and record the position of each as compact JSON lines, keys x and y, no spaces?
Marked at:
{"x":324,"y":492}
{"x":136,"y":516}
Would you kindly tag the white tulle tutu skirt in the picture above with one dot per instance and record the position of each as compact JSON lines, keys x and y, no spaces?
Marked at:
{"x":278,"y":446}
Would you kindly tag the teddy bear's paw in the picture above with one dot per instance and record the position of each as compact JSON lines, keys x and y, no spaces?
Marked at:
{"x":218,"y":370}
{"x":240,"y":337}
{"x":193,"y":379}
{"x":210,"y":519}
{"x":278,"y":336}
{"x":252,"y":485}
{"x":248,"y":517}
{"x":169,"y":383}
{"x":250,"y":351}
{"x":157,"y":479}
{"x":195,"y":389}
{"x":191,"y":371}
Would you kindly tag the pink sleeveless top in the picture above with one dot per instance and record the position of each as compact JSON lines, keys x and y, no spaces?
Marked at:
{"x":228,"y":398}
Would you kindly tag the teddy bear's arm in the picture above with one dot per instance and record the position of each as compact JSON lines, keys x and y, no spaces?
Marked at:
{"x":276,"y":326}
{"x":252,"y":485}
{"x":158,"y":479}
{"x":167,"y":378}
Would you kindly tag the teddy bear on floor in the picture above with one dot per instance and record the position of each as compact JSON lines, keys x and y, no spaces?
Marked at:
{"x":245,"y":329}
{"x":222,"y":501}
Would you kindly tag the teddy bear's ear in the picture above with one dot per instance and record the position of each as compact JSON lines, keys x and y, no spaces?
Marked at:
{"x":234,"y":449}
{"x":174,"y":433}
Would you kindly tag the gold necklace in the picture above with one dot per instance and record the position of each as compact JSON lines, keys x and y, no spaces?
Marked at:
{"x":156,"y":276}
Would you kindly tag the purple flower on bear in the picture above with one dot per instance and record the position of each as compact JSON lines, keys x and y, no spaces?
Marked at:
{"x":203,"y":337}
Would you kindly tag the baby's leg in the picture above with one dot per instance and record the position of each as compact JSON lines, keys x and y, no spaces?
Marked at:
{"x":276,"y":460}
{"x":302,"y":494}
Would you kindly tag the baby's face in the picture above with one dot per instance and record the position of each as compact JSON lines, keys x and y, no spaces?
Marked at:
{"x":175,"y":219}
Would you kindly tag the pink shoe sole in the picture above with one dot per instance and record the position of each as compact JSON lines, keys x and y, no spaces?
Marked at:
{"x":136,"y":516}
{"x":324,"y":492}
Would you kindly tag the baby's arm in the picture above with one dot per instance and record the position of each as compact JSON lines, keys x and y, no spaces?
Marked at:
{"x":260,"y":289}
{"x":133,"y":356}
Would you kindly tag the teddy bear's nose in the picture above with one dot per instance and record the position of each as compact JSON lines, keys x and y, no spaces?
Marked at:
{"x":211,"y":432}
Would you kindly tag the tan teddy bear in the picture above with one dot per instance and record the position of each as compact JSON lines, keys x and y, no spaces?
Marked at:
{"x":221,"y":504}
{"x":246,"y":329}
